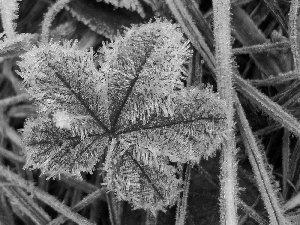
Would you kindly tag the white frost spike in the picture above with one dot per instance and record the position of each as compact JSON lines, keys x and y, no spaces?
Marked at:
{"x":62,"y":119}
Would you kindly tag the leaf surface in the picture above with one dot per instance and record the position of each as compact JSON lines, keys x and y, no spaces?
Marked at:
{"x":135,"y":99}
{"x":55,"y":150}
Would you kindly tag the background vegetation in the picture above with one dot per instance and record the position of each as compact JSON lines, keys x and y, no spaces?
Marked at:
{"x":256,"y":73}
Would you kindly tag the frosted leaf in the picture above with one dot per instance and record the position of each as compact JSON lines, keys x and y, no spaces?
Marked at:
{"x":135,"y":99}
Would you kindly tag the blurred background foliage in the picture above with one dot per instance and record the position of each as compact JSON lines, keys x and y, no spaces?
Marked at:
{"x":254,"y":22}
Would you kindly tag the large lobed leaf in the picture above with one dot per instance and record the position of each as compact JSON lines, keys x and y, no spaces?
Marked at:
{"x":135,"y":99}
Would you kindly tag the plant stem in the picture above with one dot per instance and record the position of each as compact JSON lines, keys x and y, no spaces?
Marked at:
{"x":224,"y":71}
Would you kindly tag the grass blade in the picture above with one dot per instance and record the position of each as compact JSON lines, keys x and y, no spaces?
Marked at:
{"x":100,"y":193}
{"x":285,"y":161}
{"x":262,"y":173}
{"x":293,"y":20}
{"x":27,"y":205}
{"x":43,"y":196}
{"x":274,"y":110}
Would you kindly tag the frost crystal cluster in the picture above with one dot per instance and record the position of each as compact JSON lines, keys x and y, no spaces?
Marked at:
{"x":134,"y":109}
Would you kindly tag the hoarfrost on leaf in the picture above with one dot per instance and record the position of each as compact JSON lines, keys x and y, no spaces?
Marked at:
{"x":134,"y":108}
